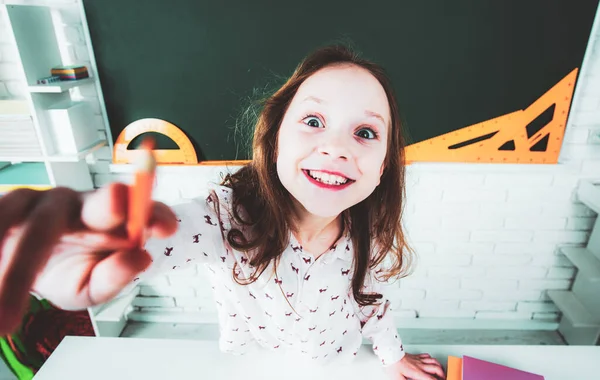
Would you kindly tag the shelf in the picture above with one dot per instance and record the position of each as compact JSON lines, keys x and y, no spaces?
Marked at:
{"x":58,"y":87}
{"x":30,"y":175}
{"x":56,"y":157}
{"x":77,"y":156}
{"x":31,"y":125}
{"x":573,"y":309}
{"x":589,"y":194}
{"x":585,"y":261}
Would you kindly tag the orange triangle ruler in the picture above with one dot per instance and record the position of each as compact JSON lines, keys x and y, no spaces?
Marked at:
{"x":508,"y":138}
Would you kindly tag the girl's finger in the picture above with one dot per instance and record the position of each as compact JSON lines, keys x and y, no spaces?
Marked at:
{"x":429,"y":360}
{"x":95,"y":241}
{"x":424,"y":355}
{"x":106,"y":208}
{"x":41,"y":231}
{"x":397,"y":376}
{"x":115,"y":272}
{"x":163,"y":221}
{"x":434,"y":368}
{"x":15,"y":206}
{"x":421,"y":375}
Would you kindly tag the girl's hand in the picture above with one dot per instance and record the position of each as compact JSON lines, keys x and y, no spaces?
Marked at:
{"x":69,"y":247}
{"x":416,"y":367}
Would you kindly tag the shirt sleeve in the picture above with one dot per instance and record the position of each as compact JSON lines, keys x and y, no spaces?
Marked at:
{"x":199,"y":237}
{"x":378,"y":327}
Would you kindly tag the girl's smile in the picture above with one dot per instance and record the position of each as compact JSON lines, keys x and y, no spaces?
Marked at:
{"x":326,"y":179}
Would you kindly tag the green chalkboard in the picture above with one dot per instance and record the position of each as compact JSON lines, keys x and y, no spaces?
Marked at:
{"x":196,"y":63}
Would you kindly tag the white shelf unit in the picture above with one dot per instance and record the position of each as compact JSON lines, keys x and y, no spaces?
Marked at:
{"x":580,"y":322}
{"x":31,"y":30}
{"x":57,"y":157}
{"x":59,"y":87}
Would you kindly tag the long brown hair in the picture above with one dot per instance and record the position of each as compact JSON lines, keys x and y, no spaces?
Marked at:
{"x":263,"y":206}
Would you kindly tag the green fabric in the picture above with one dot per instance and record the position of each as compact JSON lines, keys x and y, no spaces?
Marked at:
{"x":23,"y":371}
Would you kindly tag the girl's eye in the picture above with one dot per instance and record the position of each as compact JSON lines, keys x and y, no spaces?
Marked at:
{"x":313,"y":121}
{"x":366,"y":133}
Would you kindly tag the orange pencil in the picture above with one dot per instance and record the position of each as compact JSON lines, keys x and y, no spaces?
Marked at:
{"x":140,"y":193}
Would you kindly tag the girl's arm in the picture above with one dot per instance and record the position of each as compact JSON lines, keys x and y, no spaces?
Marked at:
{"x":378,"y":327}
{"x":199,"y":238}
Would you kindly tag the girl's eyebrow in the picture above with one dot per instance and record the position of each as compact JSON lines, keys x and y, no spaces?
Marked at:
{"x":313,"y":99}
{"x":374,"y":114}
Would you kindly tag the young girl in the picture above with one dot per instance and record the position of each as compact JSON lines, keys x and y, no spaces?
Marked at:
{"x":296,"y":242}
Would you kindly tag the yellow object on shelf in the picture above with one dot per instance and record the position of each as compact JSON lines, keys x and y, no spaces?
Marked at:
{"x":7,"y":188}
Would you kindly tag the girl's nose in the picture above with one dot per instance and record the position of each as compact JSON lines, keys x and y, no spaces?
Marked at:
{"x":335,"y":147}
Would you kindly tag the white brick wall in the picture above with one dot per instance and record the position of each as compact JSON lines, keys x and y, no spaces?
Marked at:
{"x":486,"y":235}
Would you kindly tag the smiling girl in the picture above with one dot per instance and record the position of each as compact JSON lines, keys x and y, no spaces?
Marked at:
{"x":296,"y":242}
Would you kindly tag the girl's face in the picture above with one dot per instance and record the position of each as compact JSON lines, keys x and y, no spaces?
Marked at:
{"x":333,"y":140}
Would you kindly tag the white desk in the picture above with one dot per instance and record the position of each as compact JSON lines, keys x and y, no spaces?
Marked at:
{"x":131,"y":358}
{"x":5,"y":372}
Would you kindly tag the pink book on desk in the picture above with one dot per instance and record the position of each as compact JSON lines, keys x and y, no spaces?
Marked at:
{"x":475,"y":369}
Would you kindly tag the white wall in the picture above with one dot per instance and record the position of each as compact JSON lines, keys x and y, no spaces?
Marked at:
{"x":486,"y":235}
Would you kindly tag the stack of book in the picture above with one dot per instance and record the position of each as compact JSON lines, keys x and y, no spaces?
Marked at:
{"x":470,"y":368}
{"x":70,"y":72}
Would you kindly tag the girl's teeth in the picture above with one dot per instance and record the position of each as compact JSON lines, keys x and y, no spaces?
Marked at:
{"x":329,"y":179}
{"x":338,"y":179}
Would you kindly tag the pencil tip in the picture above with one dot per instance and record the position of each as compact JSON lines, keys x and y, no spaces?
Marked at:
{"x":146,"y":161}
{"x":148,"y":143}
